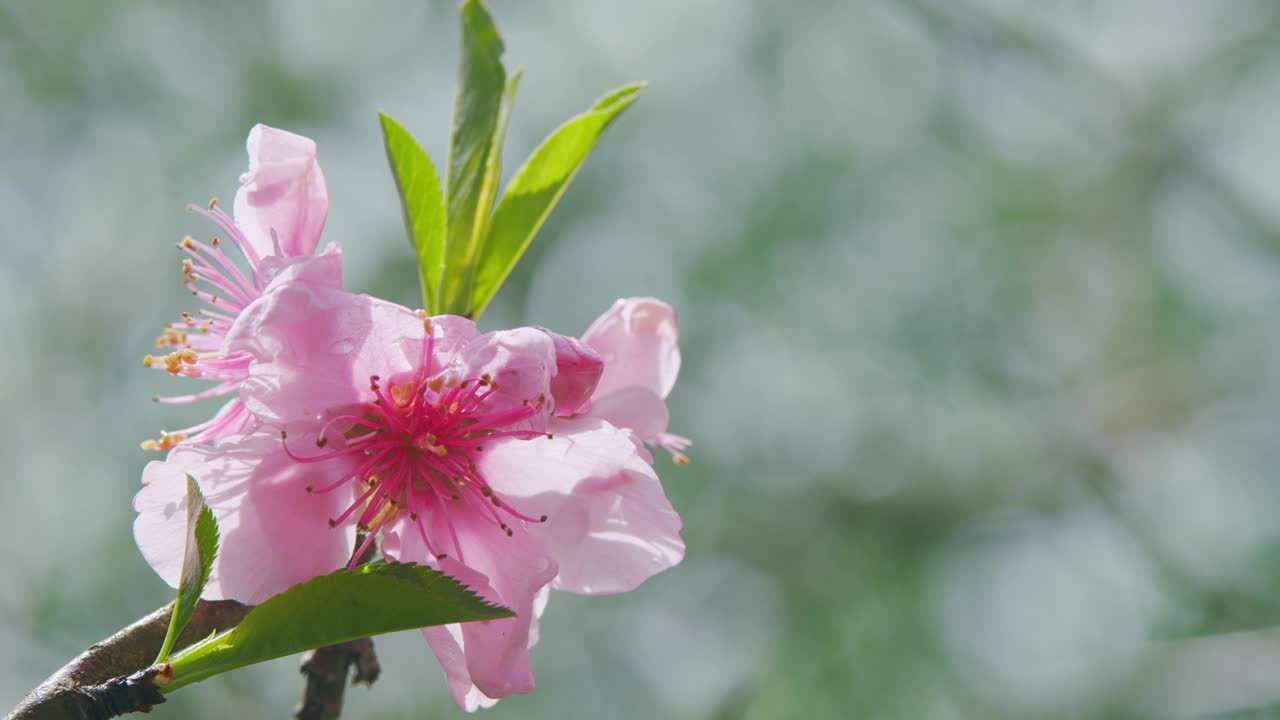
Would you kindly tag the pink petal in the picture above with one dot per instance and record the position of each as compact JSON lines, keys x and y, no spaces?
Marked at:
{"x":316,"y":348}
{"x":273,"y":533}
{"x":578,"y":369}
{"x":488,"y":660}
{"x":610,"y":526}
{"x":639,"y":342}
{"x":539,"y":606}
{"x":324,"y":269}
{"x":452,"y":333}
{"x":520,"y":361}
{"x":635,"y":408}
{"x":446,"y":643}
{"x":498,"y":650}
{"x":283,"y":192}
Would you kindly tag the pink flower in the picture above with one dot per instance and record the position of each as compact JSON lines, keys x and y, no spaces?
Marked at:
{"x":447,"y":442}
{"x":280,"y":210}
{"x":638,"y":340}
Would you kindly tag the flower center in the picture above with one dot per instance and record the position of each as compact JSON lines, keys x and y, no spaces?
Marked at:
{"x":415,"y":444}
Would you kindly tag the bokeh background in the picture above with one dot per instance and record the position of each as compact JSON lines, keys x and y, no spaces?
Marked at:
{"x":978,"y":311}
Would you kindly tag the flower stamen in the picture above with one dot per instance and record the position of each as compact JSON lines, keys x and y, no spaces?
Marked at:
{"x":416,"y":441}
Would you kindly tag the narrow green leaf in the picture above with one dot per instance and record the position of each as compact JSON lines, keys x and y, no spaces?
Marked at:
{"x":422,"y":203}
{"x":348,"y":604}
{"x":197,"y":561}
{"x":537,"y":187}
{"x":493,"y":165}
{"x":476,"y":117}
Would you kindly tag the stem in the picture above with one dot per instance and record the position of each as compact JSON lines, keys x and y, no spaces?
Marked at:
{"x":89,"y":687}
{"x":326,"y":668}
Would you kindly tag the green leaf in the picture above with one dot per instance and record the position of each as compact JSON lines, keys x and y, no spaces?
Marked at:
{"x":477,"y":114}
{"x":537,"y":187}
{"x":345,"y":605}
{"x":422,"y":203}
{"x":197,"y":561}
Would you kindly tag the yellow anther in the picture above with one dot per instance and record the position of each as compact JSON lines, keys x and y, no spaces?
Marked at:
{"x":167,"y":441}
{"x":680,"y":458}
{"x":187,"y":242}
{"x":213,"y":203}
{"x":148,"y":359}
{"x":171,"y":337}
{"x":435,"y":383}
{"x":402,"y":395}
{"x":174,"y":361}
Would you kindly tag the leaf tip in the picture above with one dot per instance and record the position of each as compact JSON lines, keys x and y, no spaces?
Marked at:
{"x":478,"y":21}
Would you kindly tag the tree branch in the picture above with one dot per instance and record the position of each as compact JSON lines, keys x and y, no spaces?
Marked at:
{"x":90,"y":687}
{"x":326,"y":669}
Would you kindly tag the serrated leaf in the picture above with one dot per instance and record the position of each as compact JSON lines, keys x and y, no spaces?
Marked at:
{"x":535,"y":190}
{"x":197,"y":561}
{"x":348,"y":604}
{"x":476,"y":118}
{"x":422,"y":203}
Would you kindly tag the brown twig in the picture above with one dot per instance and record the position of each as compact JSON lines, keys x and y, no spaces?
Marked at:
{"x":111,"y":677}
{"x":326,"y":668}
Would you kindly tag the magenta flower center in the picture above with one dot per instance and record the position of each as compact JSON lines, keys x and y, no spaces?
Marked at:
{"x":415,"y":443}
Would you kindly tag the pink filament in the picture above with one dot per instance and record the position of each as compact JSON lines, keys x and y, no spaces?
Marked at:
{"x":418,"y":454}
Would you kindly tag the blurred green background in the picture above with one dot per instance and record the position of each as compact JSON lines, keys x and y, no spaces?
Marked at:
{"x":977,"y":301}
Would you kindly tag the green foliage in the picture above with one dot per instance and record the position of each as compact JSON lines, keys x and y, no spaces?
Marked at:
{"x":197,"y":562}
{"x":465,"y":248}
{"x":537,"y":187}
{"x":473,"y":153}
{"x":422,"y":202}
{"x":345,"y":605}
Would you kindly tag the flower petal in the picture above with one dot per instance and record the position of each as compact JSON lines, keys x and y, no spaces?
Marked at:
{"x":520,"y":361}
{"x":446,"y":644}
{"x":273,"y":533}
{"x":639,"y":341}
{"x":635,"y":408}
{"x":452,"y":333}
{"x":578,"y":369}
{"x":518,"y":567}
{"x":609,"y":524}
{"x":316,"y":347}
{"x":324,"y":269}
{"x":488,"y":660}
{"x":283,"y":192}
